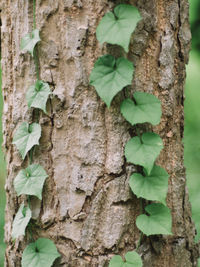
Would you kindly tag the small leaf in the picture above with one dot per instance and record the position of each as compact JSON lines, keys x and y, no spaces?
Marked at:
{"x":109,"y":76}
{"x":147,"y":108}
{"x":117,"y":28}
{"x":20,"y":222}
{"x":116,"y":261}
{"x":151,"y":187}
{"x":30,"y":40}
{"x":145,"y":151}
{"x":30,"y":181}
{"x":41,"y":253}
{"x":37,"y":95}
{"x":133,"y":259}
{"x":158,"y":223}
{"x":26,"y":137}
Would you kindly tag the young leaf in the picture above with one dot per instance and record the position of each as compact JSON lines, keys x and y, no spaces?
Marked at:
{"x":145,"y":151}
{"x":37,"y":95}
{"x":147,"y":108}
{"x":109,"y":76}
{"x":30,"y":40}
{"x":158,"y":223}
{"x":151,"y":187}
{"x":20,"y":222}
{"x":133,"y":259}
{"x":30,"y":181}
{"x":41,"y":253}
{"x":26,"y":137}
{"x":116,"y":261}
{"x":117,"y":28}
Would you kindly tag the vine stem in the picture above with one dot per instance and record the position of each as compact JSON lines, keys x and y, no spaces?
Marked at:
{"x":141,"y":234}
{"x":34,"y":14}
{"x":138,"y":133}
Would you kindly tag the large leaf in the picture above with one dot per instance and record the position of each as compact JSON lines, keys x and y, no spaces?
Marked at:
{"x":41,"y":253}
{"x":146,"y":108}
{"x":117,"y":27}
{"x":20,"y":222}
{"x":159,"y":221}
{"x":30,"y":40}
{"x":151,"y":187}
{"x":30,"y":181}
{"x":133,"y":259}
{"x":109,"y":76}
{"x":26,"y":137}
{"x":144,"y":151}
{"x":37,"y":95}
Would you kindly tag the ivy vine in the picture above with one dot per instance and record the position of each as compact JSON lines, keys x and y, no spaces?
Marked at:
{"x":30,"y":181}
{"x":109,"y":76}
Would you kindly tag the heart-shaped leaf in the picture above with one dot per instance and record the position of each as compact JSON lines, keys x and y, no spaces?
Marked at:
{"x":26,"y":137}
{"x":41,"y":253}
{"x":116,"y":261}
{"x":144,"y":151}
{"x":30,"y":181}
{"x":146,"y":108}
{"x":37,"y":95}
{"x":30,"y":40}
{"x":117,"y":27}
{"x":109,"y":76}
{"x":151,"y":187}
{"x":133,"y":259}
{"x":20,"y":222}
{"x":158,"y":223}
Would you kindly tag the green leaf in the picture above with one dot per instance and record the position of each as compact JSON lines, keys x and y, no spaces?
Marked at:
{"x":109,"y":76}
{"x":26,"y":137}
{"x":117,"y":28}
{"x":116,"y":261}
{"x":158,"y":223}
{"x":147,"y":108}
{"x":151,"y":187}
{"x":20,"y":222}
{"x":30,"y":181}
{"x":145,"y":151}
{"x":133,"y":259}
{"x":41,"y":253}
{"x":37,"y":95}
{"x":30,"y":40}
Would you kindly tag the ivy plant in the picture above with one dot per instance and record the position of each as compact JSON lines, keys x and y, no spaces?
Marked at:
{"x":37,"y":95}
{"x":30,"y":181}
{"x":109,"y":76}
{"x":41,"y":253}
{"x":116,"y":27}
{"x":30,"y":40}
{"x":21,"y":221}
{"x":27,"y":136}
{"x":158,"y":222}
{"x":144,"y":150}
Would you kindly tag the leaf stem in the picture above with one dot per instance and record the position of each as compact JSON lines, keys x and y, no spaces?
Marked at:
{"x":138,"y":133}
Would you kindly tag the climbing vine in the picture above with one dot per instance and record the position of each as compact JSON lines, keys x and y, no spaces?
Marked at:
{"x":30,"y":181}
{"x":109,"y":76}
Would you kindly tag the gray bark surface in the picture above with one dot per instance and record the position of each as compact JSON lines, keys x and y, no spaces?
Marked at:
{"x":87,"y":207}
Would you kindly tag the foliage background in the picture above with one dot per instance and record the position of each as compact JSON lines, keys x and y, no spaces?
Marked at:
{"x":191,"y":133}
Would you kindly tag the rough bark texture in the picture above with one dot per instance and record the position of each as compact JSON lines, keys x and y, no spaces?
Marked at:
{"x":87,"y":207}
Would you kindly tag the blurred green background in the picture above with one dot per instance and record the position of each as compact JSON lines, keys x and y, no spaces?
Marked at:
{"x":191,"y":133}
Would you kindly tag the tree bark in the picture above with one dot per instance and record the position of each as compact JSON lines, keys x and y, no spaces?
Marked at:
{"x":87,"y":207}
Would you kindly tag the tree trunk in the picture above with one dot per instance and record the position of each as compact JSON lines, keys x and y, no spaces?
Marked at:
{"x":87,"y":207}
